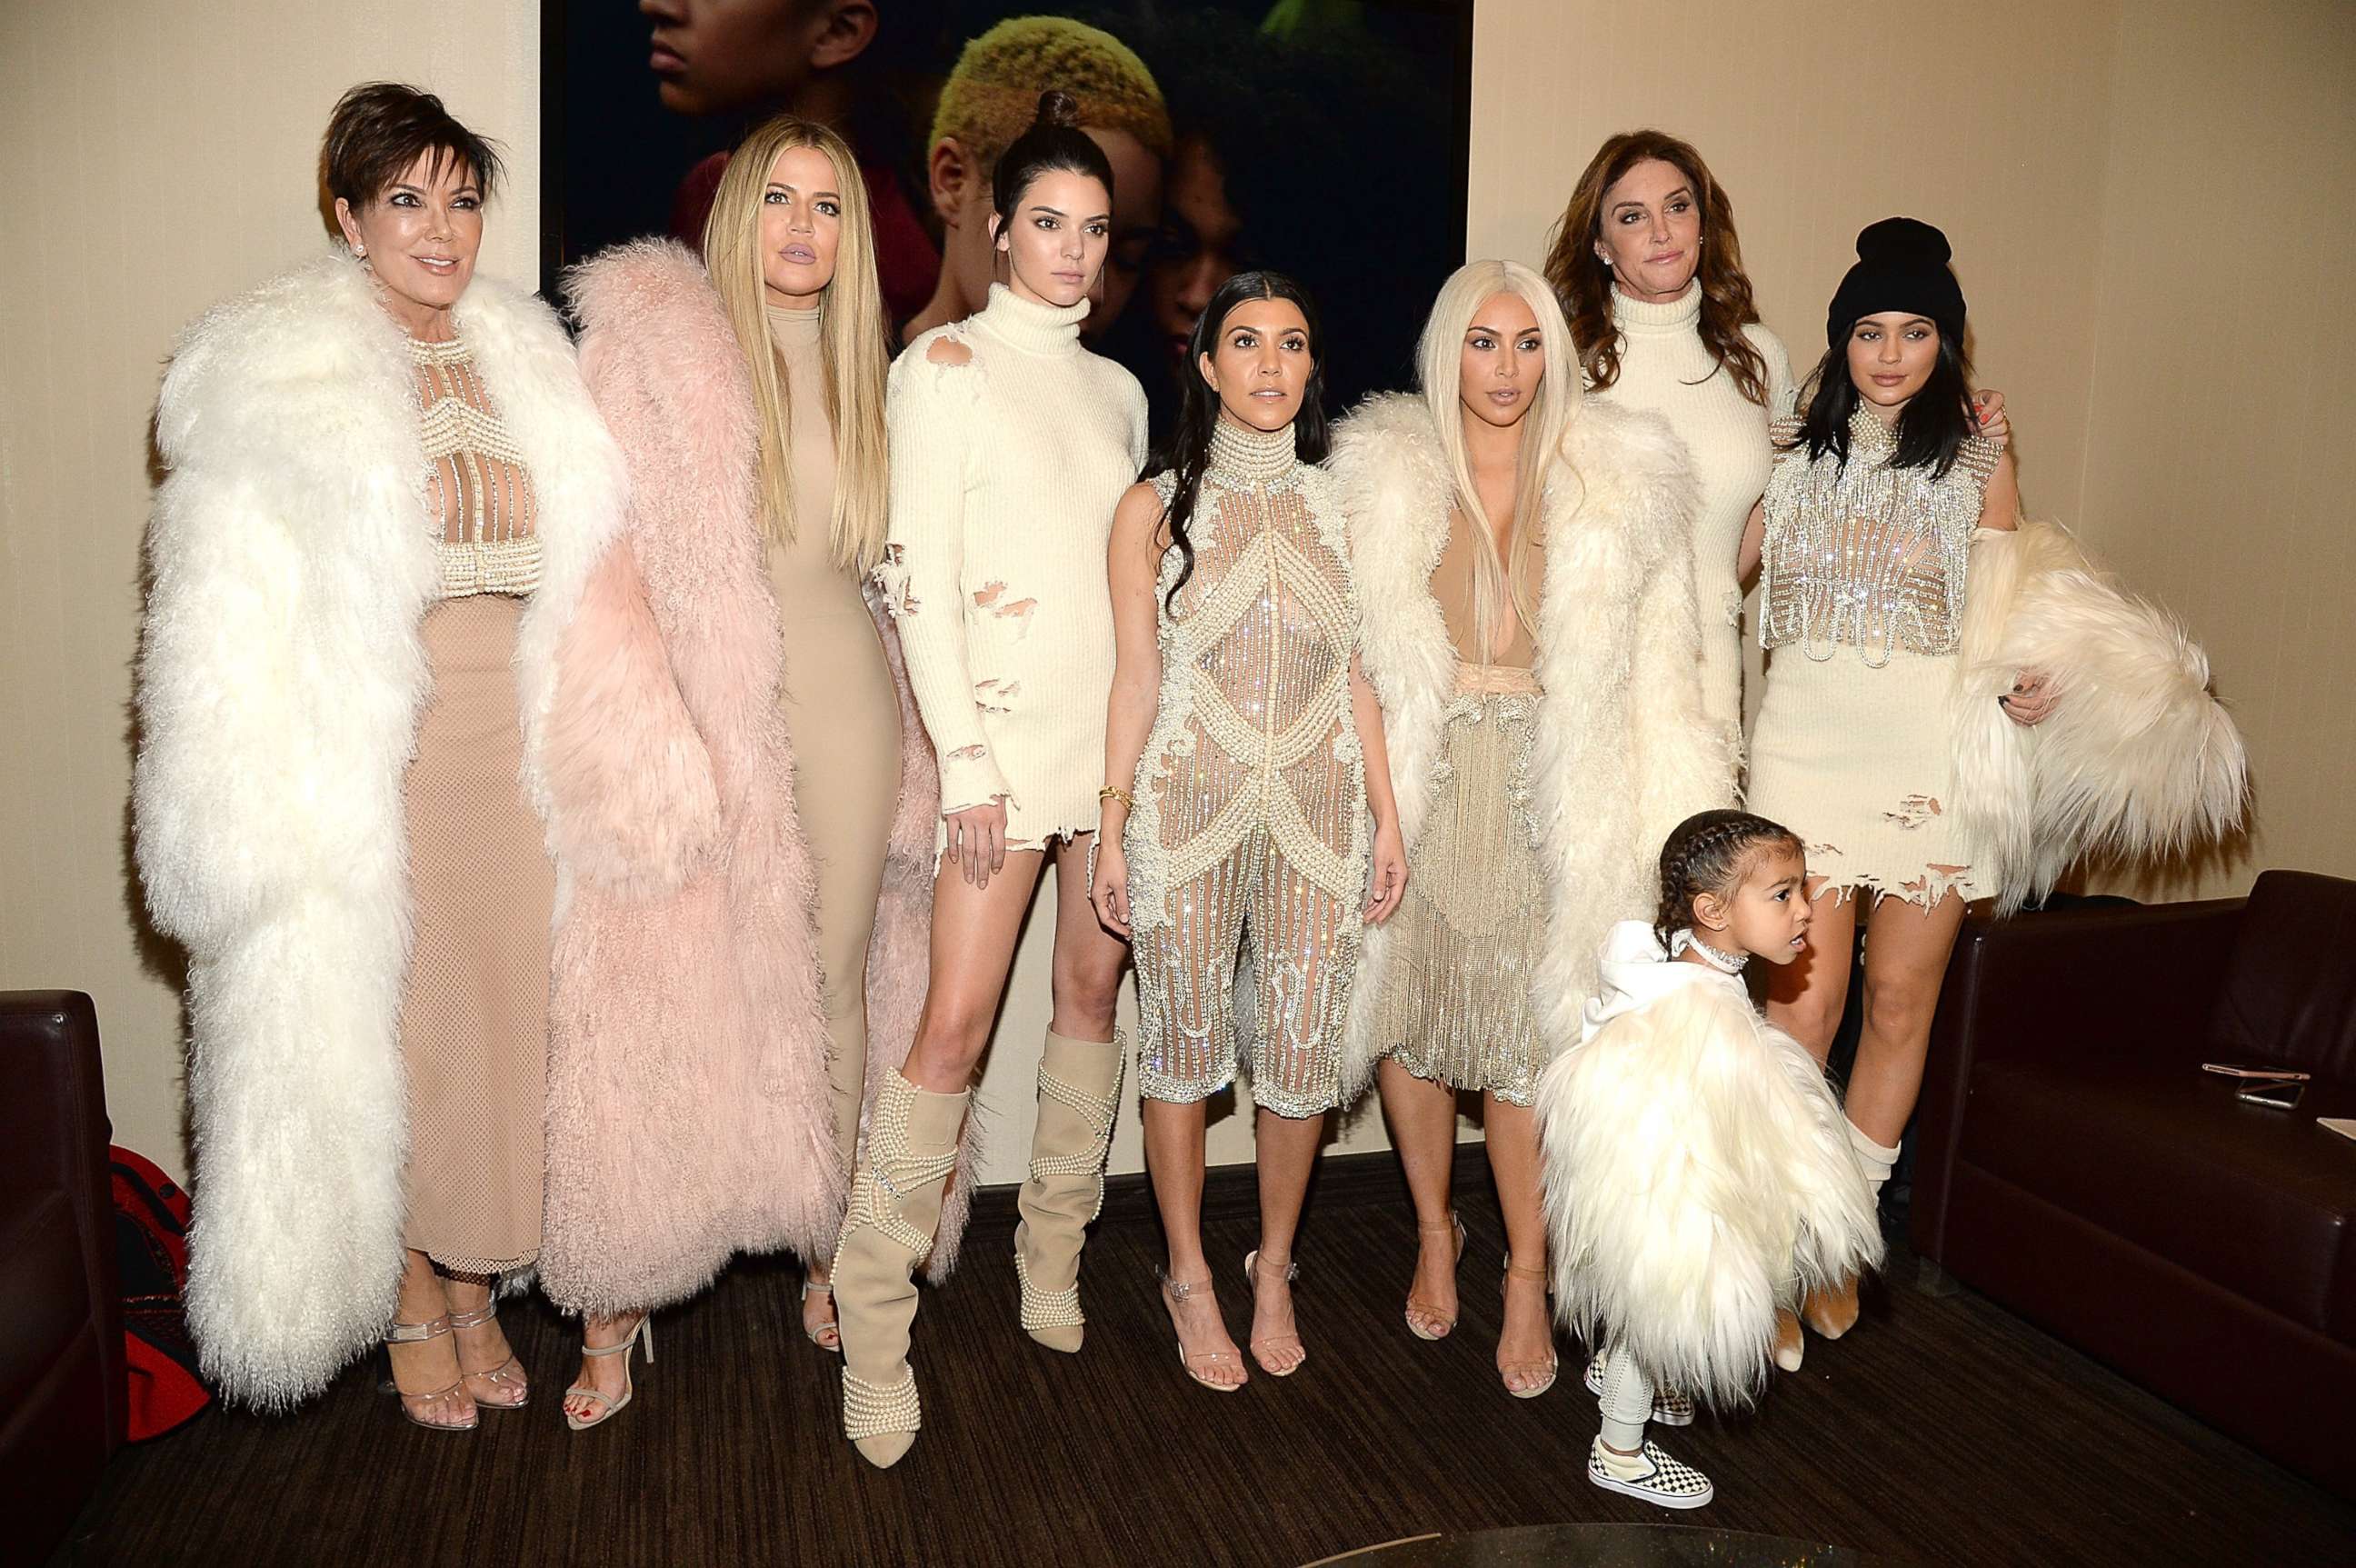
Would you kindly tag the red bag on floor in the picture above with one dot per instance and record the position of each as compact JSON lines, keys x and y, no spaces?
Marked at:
{"x":151,"y":1244}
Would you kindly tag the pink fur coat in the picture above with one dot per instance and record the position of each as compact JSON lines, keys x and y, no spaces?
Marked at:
{"x":687,"y":1113}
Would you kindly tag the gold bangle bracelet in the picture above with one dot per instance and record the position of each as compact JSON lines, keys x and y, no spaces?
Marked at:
{"x":1111,"y":793}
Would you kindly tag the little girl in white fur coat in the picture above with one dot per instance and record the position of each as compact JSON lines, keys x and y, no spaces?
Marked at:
{"x":1698,"y":1172}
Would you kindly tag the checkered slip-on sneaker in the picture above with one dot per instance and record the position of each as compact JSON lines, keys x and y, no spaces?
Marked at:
{"x":1669,"y":1485}
{"x":1669,"y":1409}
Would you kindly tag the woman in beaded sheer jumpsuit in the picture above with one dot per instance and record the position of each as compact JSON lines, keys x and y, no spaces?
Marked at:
{"x":1236,"y":827}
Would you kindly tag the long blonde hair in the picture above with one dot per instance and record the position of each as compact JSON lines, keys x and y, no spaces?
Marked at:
{"x":1438,"y":357}
{"x":850,"y":332}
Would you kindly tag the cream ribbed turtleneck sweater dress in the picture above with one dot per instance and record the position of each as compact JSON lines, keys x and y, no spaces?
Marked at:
{"x":842,"y":711}
{"x":1005,"y":471}
{"x":1665,"y":368}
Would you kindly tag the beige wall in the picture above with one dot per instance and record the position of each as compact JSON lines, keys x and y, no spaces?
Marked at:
{"x":2219,"y":475}
{"x":2118,"y":177}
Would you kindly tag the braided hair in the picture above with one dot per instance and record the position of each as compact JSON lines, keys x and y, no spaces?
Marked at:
{"x":1707,"y":852}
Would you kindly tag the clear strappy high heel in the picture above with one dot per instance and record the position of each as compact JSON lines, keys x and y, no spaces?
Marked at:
{"x":507,"y":1378}
{"x":1178,"y":1292}
{"x":1552,"y":1365}
{"x":609,"y":1407}
{"x":1291,"y":1273}
{"x":414,"y":1405}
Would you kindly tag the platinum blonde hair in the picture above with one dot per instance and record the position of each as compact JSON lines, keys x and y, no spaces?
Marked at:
{"x":1496,"y":579}
{"x":852,"y":330}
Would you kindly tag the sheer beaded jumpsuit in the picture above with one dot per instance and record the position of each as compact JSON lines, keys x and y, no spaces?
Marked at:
{"x":1248,"y":842}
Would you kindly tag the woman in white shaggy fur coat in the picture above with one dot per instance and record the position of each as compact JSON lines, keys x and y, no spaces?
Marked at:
{"x":1524,"y":570}
{"x":283,"y":679}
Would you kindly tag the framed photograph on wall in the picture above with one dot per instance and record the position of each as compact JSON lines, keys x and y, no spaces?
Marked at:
{"x":1326,"y":138}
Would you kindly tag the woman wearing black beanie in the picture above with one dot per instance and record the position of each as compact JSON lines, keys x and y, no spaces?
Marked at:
{"x":1883,"y":738}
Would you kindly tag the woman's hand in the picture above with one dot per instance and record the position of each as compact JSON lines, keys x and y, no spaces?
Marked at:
{"x":1987,"y":413}
{"x":1109,"y":888}
{"x":1389,"y":859}
{"x":2031,"y":700}
{"x":977,"y":841}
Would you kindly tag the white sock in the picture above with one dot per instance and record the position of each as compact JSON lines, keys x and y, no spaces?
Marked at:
{"x":1877,"y":1160}
{"x":1627,"y":1405}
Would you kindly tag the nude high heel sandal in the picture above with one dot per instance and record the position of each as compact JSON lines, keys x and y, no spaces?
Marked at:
{"x":607,"y":1407}
{"x":1429,"y":1313}
{"x":896,"y":1207}
{"x":1080,"y":1095}
{"x":1553,"y":1362}
{"x":415,"y":1406}
{"x":1831,"y":1311}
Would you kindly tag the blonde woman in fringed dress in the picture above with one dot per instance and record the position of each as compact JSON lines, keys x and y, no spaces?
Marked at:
{"x":1523,"y":563}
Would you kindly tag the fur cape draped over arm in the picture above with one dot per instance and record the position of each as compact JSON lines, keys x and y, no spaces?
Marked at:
{"x":689,"y":1115}
{"x":1624,"y":750}
{"x":281,"y":673}
{"x":2137,"y":761}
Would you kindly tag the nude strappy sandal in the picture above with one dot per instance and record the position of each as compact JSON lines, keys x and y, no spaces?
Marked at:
{"x":1180,"y":1292}
{"x":1414,"y":1307}
{"x":607,"y":1406}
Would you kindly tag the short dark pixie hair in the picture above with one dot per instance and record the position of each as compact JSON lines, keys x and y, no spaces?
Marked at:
{"x":379,"y":128}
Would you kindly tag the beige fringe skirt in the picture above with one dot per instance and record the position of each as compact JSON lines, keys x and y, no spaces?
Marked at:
{"x":1456,"y":1002}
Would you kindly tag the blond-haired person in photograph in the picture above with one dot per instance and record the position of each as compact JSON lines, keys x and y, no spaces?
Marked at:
{"x":987,"y":102}
{"x":1525,"y":571}
{"x":749,"y":882}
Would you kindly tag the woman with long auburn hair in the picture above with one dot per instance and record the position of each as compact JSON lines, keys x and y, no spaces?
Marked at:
{"x":1649,"y":269}
{"x":723,"y":977}
{"x":1525,"y":591}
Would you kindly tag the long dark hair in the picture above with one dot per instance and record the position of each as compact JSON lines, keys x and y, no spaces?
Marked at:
{"x":1054,"y":141}
{"x":1188,"y":450}
{"x":1931,"y":428}
{"x":1583,"y":283}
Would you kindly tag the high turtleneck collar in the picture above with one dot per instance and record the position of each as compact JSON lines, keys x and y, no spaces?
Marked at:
{"x":789,"y":328}
{"x":1241,"y":456}
{"x":1033,"y":326}
{"x":1639,"y":315}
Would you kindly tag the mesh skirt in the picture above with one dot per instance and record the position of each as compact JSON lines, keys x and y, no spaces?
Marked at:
{"x":474,"y":1020}
{"x":1456,"y":1003}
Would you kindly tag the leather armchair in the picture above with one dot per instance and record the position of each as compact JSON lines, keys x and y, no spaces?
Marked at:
{"x":2077,"y":1166}
{"x":62,"y":1391}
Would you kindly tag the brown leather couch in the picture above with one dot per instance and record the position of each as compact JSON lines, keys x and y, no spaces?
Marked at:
{"x":62,"y":1392}
{"x":2077,"y":1166}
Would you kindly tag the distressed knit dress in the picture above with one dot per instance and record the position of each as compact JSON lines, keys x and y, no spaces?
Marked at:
{"x":1005,"y":472}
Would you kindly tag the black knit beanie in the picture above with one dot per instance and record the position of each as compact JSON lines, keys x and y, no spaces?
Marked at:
{"x":1901,"y":264}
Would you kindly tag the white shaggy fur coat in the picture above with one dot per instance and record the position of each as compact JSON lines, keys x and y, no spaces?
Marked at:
{"x":1624,"y":750}
{"x":2137,"y":761}
{"x":1699,"y":1174}
{"x":281,"y":679}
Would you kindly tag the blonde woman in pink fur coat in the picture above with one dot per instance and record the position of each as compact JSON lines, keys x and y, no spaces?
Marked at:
{"x":747,"y":911}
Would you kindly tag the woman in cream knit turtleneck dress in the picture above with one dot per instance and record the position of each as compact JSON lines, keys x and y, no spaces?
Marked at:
{"x":1010,"y":446}
{"x":1649,"y":271}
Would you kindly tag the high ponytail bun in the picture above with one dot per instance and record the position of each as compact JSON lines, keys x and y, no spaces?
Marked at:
{"x":1054,"y":141}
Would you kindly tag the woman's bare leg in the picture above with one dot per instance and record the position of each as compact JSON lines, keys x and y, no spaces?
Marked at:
{"x":1421,"y":1116}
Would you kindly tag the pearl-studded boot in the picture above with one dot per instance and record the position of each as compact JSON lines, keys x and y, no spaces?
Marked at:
{"x":896,"y":1207}
{"x":1080,"y":1094}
